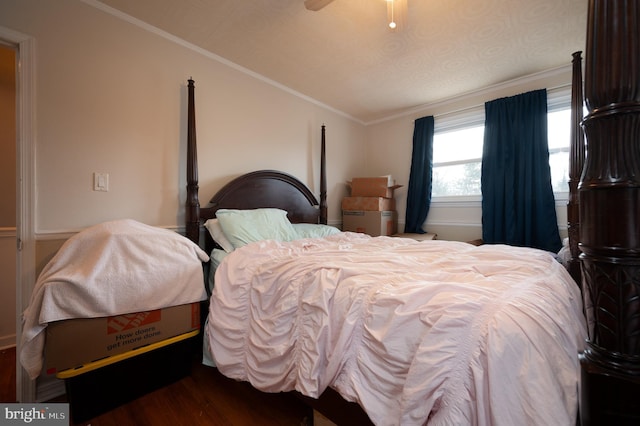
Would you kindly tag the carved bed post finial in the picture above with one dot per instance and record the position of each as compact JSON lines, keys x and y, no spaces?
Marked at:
{"x":576,"y":164}
{"x":192,"y":213}
{"x":609,"y":219}
{"x":323,"y":180}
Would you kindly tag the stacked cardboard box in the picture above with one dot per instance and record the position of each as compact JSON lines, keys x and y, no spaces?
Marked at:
{"x":371,"y":208}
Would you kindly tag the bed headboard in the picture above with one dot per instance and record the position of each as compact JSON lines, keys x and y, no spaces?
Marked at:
{"x":259,"y":189}
{"x":266,"y":188}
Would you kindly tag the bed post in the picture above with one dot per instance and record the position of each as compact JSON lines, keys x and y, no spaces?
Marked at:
{"x":323,"y":180}
{"x":576,"y":164}
{"x":192,"y":213}
{"x":609,"y":215}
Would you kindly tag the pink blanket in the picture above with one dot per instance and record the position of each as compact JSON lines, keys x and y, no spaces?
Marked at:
{"x":415,"y":332}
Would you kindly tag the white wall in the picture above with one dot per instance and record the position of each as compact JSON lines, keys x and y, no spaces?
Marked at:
{"x":111,"y":98}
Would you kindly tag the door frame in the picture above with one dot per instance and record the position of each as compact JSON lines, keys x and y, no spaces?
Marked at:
{"x":25,"y":193}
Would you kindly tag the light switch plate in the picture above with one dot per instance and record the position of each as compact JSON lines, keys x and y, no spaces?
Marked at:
{"x":101,"y":182}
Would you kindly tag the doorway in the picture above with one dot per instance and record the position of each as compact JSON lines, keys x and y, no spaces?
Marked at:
{"x":8,"y":173}
{"x":24,"y":143}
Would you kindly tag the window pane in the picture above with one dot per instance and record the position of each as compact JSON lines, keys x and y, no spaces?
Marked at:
{"x":461,"y":179}
{"x":559,"y":126}
{"x":465,"y":144}
{"x":559,"y":123}
{"x":559,"y":163}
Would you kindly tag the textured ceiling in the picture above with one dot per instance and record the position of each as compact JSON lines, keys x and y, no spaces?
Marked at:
{"x":344,"y":55}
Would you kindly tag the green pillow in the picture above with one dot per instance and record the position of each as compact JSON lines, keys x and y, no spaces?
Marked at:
{"x":242,"y":227}
{"x":312,"y":230}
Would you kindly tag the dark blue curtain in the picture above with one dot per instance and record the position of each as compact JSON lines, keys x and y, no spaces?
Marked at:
{"x":518,"y":207}
{"x":419,"y":190}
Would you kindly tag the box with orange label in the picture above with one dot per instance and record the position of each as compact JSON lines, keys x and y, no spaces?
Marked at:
{"x":74,"y":342}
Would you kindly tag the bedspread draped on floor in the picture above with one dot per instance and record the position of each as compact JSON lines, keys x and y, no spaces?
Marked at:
{"x":435,"y":330}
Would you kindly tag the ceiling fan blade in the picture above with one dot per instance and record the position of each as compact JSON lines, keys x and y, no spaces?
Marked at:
{"x":316,"y":5}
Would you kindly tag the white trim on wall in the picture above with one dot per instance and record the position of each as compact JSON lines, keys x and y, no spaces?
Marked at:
{"x":65,"y":234}
{"x":8,"y":232}
{"x":516,"y":82}
{"x":7,"y":341}
{"x":456,"y":224}
{"x":128,"y":18}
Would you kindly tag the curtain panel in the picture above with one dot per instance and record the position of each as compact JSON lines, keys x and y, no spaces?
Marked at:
{"x":518,"y":206}
{"x":420,"y":176}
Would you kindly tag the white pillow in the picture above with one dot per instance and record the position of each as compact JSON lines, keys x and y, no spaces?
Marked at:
{"x":242,"y":227}
{"x":215,"y":229}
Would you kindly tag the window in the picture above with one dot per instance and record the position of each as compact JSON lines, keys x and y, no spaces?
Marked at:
{"x":457,"y":158}
{"x":559,"y":134}
{"x":457,"y":150}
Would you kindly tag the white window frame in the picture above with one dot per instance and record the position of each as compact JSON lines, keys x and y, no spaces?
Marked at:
{"x":557,"y":99}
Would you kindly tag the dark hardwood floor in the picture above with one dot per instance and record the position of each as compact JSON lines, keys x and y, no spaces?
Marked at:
{"x":205,"y":397}
{"x":8,"y":375}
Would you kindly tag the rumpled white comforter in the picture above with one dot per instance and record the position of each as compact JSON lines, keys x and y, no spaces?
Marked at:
{"x":415,"y":332}
{"x":113,"y":268}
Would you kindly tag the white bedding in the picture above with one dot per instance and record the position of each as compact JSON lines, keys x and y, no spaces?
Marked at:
{"x":435,"y":331}
{"x":108,"y":269}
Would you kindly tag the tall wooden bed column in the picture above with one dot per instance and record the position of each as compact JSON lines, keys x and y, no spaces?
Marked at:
{"x":192,"y":211}
{"x":610,"y":215}
{"x":576,"y":164}
{"x":298,"y":211}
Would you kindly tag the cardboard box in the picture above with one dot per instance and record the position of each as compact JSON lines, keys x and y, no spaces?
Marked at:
{"x":74,"y":342}
{"x":368,"y":203}
{"x":374,"y":223}
{"x":373,"y":187}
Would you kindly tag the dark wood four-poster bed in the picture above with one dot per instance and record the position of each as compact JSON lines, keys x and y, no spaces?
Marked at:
{"x":604,"y":234}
